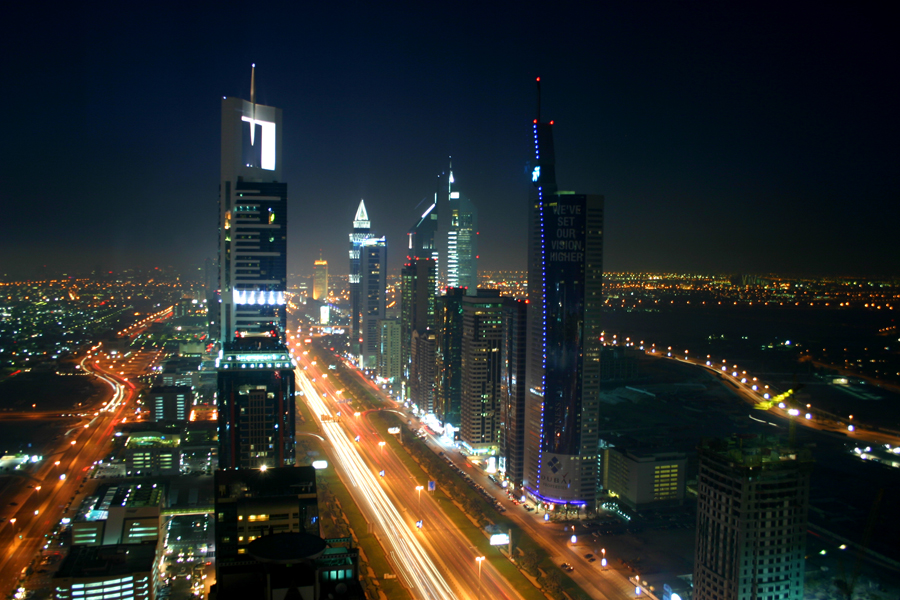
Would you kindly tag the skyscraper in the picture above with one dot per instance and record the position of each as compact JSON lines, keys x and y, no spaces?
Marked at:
{"x":448,"y":357}
{"x":513,"y":358}
{"x":417,"y":313}
{"x":361,"y":232}
{"x":252,"y":220}
{"x":482,"y":338}
{"x":752,"y":509}
{"x":565,"y":265}
{"x":389,"y":350}
{"x":320,"y":280}
{"x":256,"y":410}
{"x":462,"y":236}
{"x":372,"y":285}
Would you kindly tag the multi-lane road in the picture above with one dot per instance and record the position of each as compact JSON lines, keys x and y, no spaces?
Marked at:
{"x":435,"y":560}
{"x":57,"y":482}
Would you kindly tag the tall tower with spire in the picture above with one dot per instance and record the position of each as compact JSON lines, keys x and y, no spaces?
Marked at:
{"x":252,"y":220}
{"x":462,"y":240}
{"x":362,"y":231}
{"x":565,"y":302}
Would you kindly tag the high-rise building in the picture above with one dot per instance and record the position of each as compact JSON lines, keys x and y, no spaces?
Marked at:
{"x":565,"y":266}
{"x":752,"y":509}
{"x":421,"y":370}
{"x":645,"y":477}
{"x":462,"y":237}
{"x":170,"y":403}
{"x":389,"y":350}
{"x":320,"y":280}
{"x":480,"y":398}
{"x":362,"y":230}
{"x":448,"y":357}
{"x":252,"y":503}
{"x":372,"y":285}
{"x":422,"y":235}
{"x":417,"y":311}
{"x":252,"y":220}
{"x":513,"y":359}
{"x":255,"y":404}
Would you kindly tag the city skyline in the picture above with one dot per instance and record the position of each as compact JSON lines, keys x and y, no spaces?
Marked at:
{"x":724,"y":141}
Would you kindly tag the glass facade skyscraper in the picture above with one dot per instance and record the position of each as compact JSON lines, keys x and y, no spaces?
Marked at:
{"x":252,"y":221}
{"x":563,"y":345}
{"x":361,"y":232}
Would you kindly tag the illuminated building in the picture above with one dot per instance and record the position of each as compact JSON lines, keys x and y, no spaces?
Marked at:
{"x":389,"y":350}
{"x":417,"y":314}
{"x":645,"y":478}
{"x":118,"y":572}
{"x":462,"y":248}
{"x":170,"y":403}
{"x":252,"y":220}
{"x":752,"y":509}
{"x":448,"y":356}
{"x":513,"y":358}
{"x":480,"y":397}
{"x":422,"y":236}
{"x":320,"y":280}
{"x":267,"y":539}
{"x":372,"y":285}
{"x":255,"y":404}
{"x":361,"y":232}
{"x":565,"y":265}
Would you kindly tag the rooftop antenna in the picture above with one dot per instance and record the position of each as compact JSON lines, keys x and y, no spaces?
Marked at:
{"x":538,"y":99}
{"x":450,"y":179}
{"x":253,"y":103}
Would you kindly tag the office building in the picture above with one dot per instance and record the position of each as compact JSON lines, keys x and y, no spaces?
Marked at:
{"x":152,"y":453}
{"x":462,"y":241}
{"x":513,"y":358}
{"x":252,"y":220}
{"x":120,"y":572}
{"x":422,"y":236}
{"x":565,"y":265}
{"x":389,"y":350}
{"x":644,"y":478}
{"x":448,"y":357}
{"x":421,"y":371}
{"x":120,"y":514}
{"x":362,"y":231}
{"x":417,"y":314}
{"x":752,"y":509}
{"x":170,"y":403}
{"x":255,"y":403}
{"x":372,"y":289}
{"x":320,"y":280}
{"x":251,"y":503}
{"x":480,"y":398}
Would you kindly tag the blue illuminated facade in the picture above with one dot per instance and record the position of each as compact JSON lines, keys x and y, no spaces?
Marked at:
{"x":563,"y":346}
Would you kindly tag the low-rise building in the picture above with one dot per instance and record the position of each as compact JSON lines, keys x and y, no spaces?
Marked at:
{"x":642,"y":478}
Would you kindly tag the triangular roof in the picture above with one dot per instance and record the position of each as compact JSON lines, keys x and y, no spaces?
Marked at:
{"x":361,"y":214}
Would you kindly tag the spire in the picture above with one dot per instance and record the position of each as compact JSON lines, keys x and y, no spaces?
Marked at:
{"x":361,"y":221}
{"x":450,"y":179}
{"x":253,"y":83}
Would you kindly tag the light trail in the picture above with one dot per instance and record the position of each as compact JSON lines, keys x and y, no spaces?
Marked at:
{"x":415,"y":565}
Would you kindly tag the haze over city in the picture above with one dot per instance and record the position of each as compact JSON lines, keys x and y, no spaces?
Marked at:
{"x":725,"y":139}
{"x":449,"y":301}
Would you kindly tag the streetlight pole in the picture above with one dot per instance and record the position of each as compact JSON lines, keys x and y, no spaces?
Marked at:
{"x":479,"y":560}
{"x":419,"y":489}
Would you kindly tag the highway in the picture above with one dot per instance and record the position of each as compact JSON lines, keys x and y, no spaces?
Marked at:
{"x":62,"y":474}
{"x":436,"y":561}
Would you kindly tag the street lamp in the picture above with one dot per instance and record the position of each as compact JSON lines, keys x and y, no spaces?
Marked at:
{"x":381,"y":443}
{"x":419,"y":489}
{"x":479,"y":560}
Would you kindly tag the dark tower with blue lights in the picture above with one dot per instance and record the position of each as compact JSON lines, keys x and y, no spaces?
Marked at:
{"x":565,"y":265}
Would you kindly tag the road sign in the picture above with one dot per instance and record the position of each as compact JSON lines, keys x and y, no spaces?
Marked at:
{"x":431,"y":486}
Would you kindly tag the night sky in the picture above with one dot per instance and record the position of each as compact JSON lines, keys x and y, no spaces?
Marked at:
{"x":727,"y":137}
